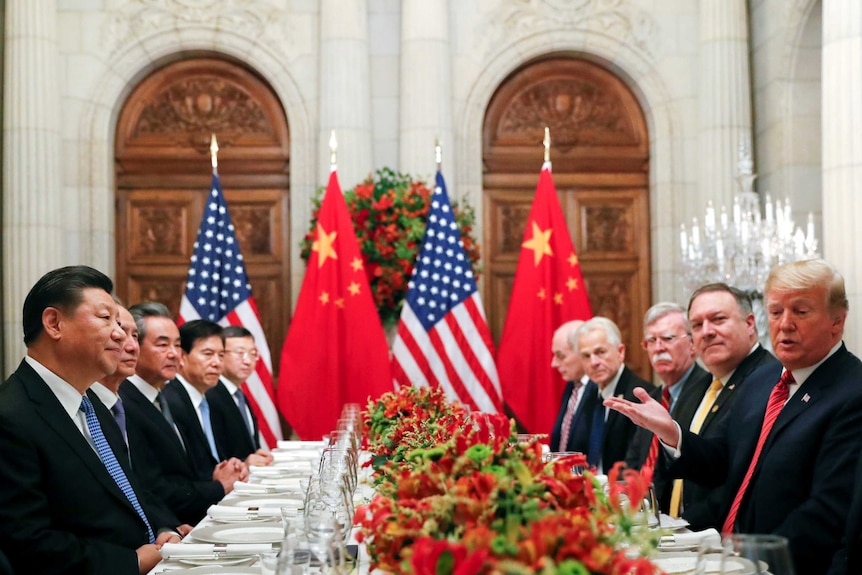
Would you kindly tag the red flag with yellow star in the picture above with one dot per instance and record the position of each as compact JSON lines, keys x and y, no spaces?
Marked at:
{"x":548,"y":291}
{"x":335,"y":351}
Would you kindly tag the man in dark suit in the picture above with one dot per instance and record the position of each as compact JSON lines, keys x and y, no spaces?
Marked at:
{"x":67,"y":503}
{"x":605,"y":435}
{"x":157,"y":449}
{"x":668,"y":341}
{"x":202,"y":350}
{"x":788,"y":449}
{"x":567,"y":361}
{"x":234,"y":424}
{"x":725,"y":338}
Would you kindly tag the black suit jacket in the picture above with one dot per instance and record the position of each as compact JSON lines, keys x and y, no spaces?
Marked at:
{"x":683,"y":410}
{"x":186,"y":417}
{"x":848,"y":560}
{"x":231,"y":434}
{"x":161,"y":462}
{"x":156,"y":509}
{"x":589,"y":389}
{"x":60,"y":510}
{"x":804,"y":477}
{"x":701,"y":504}
{"x":619,"y":429}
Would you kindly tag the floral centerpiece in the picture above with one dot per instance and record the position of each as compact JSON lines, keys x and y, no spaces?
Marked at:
{"x":457,"y":494}
{"x":388,"y":213}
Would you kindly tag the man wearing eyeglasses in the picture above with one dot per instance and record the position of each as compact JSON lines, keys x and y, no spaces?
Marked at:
{"x":668,"y":341}
{"x":234,"y":424}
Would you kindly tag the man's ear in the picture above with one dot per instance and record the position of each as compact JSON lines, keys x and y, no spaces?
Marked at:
{"x":52,"y":319}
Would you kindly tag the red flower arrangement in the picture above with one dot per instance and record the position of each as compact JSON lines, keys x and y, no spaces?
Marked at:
{"x":458,"y":495}
{"x":388,"y":214}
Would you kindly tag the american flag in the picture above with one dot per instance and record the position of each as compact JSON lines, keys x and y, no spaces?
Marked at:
{"x":443,"y":338}
{"x":217,"y":289}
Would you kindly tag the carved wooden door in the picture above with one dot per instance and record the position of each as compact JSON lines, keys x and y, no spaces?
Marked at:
{"x":600,"y":156}
{"x":163,"y":177}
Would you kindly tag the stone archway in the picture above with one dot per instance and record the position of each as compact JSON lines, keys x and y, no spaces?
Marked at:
{"x":601,"y":159}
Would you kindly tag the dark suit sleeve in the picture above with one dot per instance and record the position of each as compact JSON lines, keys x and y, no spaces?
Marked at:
{"x":26,"y":532}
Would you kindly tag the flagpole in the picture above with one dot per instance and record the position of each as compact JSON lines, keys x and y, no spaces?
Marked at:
{"x":547,"y":144}
{"x":333,"y":151}
{"x":214,"y":153}
{"x":438,"y":153}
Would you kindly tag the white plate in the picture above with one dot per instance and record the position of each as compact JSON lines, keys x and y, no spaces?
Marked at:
{"x":268,"y":532}
{"x":226,"y":561}
{"x":264,"y":500}
{"x":212,"y":570}
{"x":293,"y":445}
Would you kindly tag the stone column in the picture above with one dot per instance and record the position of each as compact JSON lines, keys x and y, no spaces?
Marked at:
{"x":426,"y":89}
{"x":842,"y":150}
{"x":32,"y":204}
{"x":725,"y":97}
{"x":345,"y":90}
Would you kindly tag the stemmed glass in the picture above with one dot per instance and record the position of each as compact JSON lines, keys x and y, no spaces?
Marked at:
{"x":752,"y":554}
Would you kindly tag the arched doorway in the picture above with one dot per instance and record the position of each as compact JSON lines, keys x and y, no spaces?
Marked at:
{"x":600,"y":157}
{"x":163,"y":177}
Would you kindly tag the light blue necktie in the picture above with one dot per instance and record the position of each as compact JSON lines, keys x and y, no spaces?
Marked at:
{"x":110,"y":461}
{"x":208,"y":428}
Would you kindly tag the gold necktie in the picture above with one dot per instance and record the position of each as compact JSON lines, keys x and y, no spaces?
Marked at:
{"x":709,"y":400}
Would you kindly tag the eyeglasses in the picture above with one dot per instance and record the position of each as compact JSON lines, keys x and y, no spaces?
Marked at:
{"x":666,"y":339}
{"x":244,"y":354}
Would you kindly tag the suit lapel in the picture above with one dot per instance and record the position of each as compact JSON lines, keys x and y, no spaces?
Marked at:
{"x":48,"y":408}
{"x":148,"y":410}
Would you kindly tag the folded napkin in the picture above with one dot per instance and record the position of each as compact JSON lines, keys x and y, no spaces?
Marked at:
{"x":241,"y":487}
{"x":180,"y":550}
{"x":297,"y":455}
{"x":709,"y":537}
{"x":223,"y":513}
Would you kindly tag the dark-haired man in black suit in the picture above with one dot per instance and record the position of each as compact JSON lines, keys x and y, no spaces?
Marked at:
{"x":67,"y":503}
{"x":234,"y":424}
{"x":725,"y":339}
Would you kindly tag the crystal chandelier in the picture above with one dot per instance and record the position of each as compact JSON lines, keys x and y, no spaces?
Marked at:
{"x":740,"y":250}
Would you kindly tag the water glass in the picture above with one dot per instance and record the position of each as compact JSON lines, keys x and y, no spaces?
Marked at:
{"x":756,"y":554}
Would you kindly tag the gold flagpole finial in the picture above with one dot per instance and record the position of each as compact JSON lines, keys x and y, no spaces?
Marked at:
{"x":547,"y":143}
{"x":333,"y":149}
{"x":214,"y":153}
{"x":438,"y":153}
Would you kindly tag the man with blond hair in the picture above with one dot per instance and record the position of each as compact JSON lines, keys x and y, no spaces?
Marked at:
{"x":787,"y":451}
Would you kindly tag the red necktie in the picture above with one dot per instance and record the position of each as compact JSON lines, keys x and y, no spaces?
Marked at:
{"x":570,"y":415}
{"x":652,"y":456}
{"x":776,"y":402}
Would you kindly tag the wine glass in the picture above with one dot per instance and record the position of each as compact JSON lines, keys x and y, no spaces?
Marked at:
{"x":756,"y":554}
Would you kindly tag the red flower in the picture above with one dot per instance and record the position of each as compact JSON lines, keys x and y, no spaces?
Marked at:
{"x":433,"y":557}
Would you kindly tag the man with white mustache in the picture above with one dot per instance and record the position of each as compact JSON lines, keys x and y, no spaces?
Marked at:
{"x":668,"y":341}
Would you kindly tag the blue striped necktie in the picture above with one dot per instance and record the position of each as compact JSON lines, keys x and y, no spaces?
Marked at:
{"x":110,"y":461}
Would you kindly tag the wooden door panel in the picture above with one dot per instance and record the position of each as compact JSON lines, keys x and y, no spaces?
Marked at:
{"x":600,"y":154}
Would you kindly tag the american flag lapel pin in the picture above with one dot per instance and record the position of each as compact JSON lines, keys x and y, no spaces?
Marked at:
{"x":805,"y":398}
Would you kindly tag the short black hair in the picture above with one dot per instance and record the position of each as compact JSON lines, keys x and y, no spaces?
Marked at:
{"x":235,"y":331}
{"x":63,"y":289}
{"x":192,"y":331}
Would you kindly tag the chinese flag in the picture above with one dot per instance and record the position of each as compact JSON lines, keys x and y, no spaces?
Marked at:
{"x":335,"y":351}
{"x":548,"y":291}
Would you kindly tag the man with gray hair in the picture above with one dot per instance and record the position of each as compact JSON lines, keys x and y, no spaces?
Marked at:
{"x":605,"y":435}
{"x":566,"y":360}
{"x":667,"y":340}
